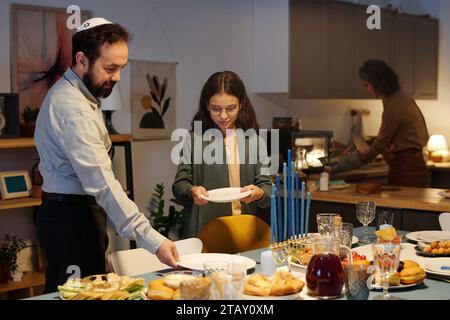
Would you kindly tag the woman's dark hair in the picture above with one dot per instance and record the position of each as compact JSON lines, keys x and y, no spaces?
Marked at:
{"x":380,"y":75}
{"x":89,"y":41}
{"x":226,"y":82}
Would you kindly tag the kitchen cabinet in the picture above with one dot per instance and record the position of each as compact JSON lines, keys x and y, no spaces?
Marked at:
{"x":403,"y":50}
{"x":308,"y":68}
{"x":369,"y":44}
{"x":426,"y":58}
{"x":328,"y":42}
{"x":341,"y":53}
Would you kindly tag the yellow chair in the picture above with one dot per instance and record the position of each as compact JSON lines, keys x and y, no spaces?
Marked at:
{"x":233,"y":234}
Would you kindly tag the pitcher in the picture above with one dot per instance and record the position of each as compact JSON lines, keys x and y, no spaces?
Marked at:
{"x":325,"y":276}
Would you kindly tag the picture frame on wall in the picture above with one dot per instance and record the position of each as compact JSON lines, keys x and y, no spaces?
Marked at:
{"x":15,"y":184}
{"x":153,"y":99}
{"x":41,"y":50}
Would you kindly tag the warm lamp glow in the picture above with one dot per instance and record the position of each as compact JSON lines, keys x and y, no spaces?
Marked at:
{"x":437,"y":142}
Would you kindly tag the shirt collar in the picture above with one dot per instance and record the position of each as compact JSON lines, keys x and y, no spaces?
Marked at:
{"x":75,"y":81}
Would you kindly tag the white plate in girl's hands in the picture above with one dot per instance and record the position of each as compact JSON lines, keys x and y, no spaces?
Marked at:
{"x":224,"y":195}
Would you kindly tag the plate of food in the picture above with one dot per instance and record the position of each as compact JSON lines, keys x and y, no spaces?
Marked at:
{"x":445,"y":194}
{"x":281,"y":286}
{"x":433,"y":248}
{"x":102,"y":287}
{"x":225,"y":195}
{"x":195,"y":261}
{"x":409,"y":274}
{"x":428,"y":235}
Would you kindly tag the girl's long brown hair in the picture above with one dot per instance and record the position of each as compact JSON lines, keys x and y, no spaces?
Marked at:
{"x":226,"y":82}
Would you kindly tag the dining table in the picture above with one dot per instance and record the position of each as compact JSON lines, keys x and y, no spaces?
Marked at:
{"x":429,"y":289}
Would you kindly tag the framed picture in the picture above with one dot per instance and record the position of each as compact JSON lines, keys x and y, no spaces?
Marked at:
{"x":15,"y":184}
{"x":153,"y":105}
{"x":41,"y":50}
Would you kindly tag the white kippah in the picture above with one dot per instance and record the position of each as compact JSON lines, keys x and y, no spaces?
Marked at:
{"x":91,"y":23}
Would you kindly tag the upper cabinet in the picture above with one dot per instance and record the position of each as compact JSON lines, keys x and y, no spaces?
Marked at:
{"x":426,"y":58}
{"x":328,"y":42}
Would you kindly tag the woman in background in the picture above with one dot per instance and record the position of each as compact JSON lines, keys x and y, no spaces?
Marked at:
{"x":403,"y":133}
{"x":224,"y":106}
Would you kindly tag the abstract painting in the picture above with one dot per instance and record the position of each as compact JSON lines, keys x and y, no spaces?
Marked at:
{"x":153,"y":93}
{"x":41,"y":47}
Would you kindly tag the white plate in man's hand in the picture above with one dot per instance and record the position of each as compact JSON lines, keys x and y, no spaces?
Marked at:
{"x":224,"y":195}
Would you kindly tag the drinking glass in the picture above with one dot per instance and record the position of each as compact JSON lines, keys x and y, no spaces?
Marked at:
{"x":347,"y":234}
{"x":386,"y":257}
{"x":356,"y":287}
{"x":324,"y":223}
{"x":214,"y":266}
{"x":365,"y":213}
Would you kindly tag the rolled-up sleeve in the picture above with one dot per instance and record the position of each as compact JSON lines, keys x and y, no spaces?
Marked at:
{"x":390,"y":122}
{"x":81,"y":139}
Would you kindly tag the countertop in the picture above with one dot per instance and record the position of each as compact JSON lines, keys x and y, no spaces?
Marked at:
{"x":427,"y":199}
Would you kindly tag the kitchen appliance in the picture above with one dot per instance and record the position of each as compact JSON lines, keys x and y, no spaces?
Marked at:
{"x":313,"y":145}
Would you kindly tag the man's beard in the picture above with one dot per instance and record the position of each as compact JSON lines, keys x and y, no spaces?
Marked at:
{"x":101,"y":90}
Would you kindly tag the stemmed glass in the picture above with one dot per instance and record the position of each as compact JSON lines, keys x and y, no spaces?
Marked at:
{"x":386,"y":258}
{"x":365,"y":213}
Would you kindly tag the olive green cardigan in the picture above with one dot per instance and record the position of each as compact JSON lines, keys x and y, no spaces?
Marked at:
{"x":213,"y":176}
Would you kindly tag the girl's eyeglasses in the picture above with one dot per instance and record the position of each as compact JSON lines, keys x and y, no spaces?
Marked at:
{"x":230,"y":110}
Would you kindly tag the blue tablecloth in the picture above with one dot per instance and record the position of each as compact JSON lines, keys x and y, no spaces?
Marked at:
{"x":428,"y":290}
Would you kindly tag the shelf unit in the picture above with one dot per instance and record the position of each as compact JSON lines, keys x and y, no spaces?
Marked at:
{"x":32,"y":279}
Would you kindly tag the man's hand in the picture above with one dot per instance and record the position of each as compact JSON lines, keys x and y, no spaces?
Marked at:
{"x":196,"y":192}
{"x":167,"y":253}
{"x":255,"y":195}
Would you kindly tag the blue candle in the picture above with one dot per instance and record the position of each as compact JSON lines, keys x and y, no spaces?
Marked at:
{"x":273,"y":213}
{"x":272,"y":219}
{"x":285,"y":200}
{"x":292,"y":200}
{"x":279,"y":220}
{"x":289,"y":210}
{"x":302,"y":223}
{"x":297,"y":218}
{"x":308,"y":203}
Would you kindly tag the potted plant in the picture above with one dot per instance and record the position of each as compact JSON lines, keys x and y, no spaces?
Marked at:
{"x":169,"y":224}
{"x":29,"y":117}
{"x":9,"y":250}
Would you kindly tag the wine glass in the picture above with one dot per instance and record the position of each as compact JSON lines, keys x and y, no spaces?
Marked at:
{"x":365,"y":213}
{"x":386,"y":258}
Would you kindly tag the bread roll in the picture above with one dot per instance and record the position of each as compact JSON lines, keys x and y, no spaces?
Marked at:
{"x":412,"y":275}
{"x":394,"y":279}
{"x":409,"y":264}
{"x":159,"y":294}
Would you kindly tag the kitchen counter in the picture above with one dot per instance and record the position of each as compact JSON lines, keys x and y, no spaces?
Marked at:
{"x":427,"y":199}
{"x":372,"y":171}
{"x":414,"y":208}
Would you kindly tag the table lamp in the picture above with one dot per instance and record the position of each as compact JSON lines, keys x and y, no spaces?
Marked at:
{"x":437,"y":148}
{"x":110,"y":104}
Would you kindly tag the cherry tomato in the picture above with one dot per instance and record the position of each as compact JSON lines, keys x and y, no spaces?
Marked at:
{"x":363,"y":257}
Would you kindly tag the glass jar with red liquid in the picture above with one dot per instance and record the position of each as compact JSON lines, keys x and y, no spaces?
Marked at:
{"x":325,"y":276}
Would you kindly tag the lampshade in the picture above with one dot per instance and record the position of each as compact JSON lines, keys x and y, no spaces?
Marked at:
{"x":437,"y":142}
{"x":113,"y":101}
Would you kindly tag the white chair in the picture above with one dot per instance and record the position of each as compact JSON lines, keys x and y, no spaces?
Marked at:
{"x":139,"y":261}
{"x":444,"y":221}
